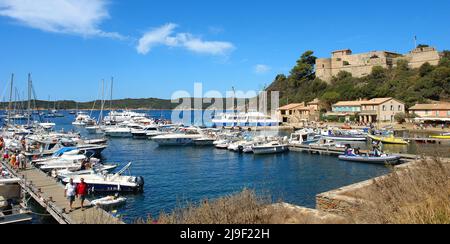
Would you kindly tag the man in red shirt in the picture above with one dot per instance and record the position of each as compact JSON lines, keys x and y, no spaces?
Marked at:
{"x":82,"y":191}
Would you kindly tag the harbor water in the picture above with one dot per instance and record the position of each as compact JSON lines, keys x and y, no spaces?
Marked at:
{"x":174,"y":175}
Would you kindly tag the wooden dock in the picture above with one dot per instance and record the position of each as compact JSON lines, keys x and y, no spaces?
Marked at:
{"x":50,"y":195}
{"x":338,"y":151}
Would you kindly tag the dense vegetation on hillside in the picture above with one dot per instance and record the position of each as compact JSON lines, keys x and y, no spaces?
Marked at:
{"x":409,"y":85}
{"x":142,"y":103}
{"x":148,"y":103}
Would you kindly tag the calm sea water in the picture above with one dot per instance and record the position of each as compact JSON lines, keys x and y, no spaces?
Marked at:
{"x":176,"y":174}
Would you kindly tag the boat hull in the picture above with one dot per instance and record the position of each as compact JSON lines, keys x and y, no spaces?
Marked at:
{"x":371,"y":160}
{"x":270,"y":150}
{"x":119,"y":134}
{"x":346,"y":138}
{"x":204,"y":143}
{"x":389,"y":140}
{"x":441,"y":137}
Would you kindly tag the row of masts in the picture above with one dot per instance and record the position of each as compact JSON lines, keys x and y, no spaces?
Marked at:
{"x":13,"y":98}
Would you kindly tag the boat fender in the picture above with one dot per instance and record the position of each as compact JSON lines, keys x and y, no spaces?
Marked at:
{"x":140,"y":182}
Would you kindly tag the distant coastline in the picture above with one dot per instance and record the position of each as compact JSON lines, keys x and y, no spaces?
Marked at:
{"x":155,"y":104}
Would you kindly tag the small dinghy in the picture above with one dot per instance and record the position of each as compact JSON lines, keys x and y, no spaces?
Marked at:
{"x":385,"y":159}
{"x":109,"y":202}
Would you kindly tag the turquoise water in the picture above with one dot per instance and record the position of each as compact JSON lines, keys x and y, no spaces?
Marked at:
{"x":176,"y":174}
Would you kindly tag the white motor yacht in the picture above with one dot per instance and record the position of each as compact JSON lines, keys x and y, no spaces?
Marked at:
{"x":181,"y":137}
{"x":111,"y":182}
{"x":83,"y":119}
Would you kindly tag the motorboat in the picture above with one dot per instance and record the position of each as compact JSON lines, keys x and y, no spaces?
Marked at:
{"x":239,"y":146}
{"x":345,"y":135}
{"x":99,"y":168}
{"x":389,"y":139}
{"x":222,"y":144}
{"x":47,"y":126}
{"x":383,"y":159}
{"x":83,"y":119}
{"x":181,"y":137}
{"x":273,"y":147}
{"x":69,"y":162}
{"x":445,"y":136}
{"x":325,"y":143}
{"x":115,"y":117}
{"x":304,"y":137}
{"x":110,"y":182}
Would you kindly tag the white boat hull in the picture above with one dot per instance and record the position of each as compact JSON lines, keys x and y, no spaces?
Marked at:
{"x":119,"y":134}
{"x":345,"y":138}
{"x":258,"y":150}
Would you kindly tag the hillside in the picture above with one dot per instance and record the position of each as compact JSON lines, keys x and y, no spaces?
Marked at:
{"x":409,"y":85}
{"x":142,"y":103}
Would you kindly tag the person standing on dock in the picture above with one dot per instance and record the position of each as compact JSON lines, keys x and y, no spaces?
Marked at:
{"x":22,"y":161}
{"x":13,"y":161}
{"x":70,"y":192}
{"x":82,"y":190}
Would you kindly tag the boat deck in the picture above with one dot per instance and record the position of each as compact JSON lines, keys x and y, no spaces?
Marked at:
{"x":50,"y":195}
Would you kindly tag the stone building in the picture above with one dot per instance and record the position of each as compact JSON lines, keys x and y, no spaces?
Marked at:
{"x":360,"y":65}
{"x":300,"y":112}
{"x":369,"y":111}
{"x":421,"y":55}
{"x":381,"y":110}
{"x":432,"y":113}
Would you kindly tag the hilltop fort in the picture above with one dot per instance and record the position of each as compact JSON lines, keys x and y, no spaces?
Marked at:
{"x":360,"y":65}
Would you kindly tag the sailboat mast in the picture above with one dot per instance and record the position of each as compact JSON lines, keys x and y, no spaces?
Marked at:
{"x":100,"y":118}
{"x":29,"y":98}
{"x":10,"y":96}
{"x":111,"y":101}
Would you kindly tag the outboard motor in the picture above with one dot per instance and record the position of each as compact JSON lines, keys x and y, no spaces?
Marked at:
{"x":140,"y":183}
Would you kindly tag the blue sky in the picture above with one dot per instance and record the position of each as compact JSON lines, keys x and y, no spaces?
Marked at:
{"x":154,"y":48}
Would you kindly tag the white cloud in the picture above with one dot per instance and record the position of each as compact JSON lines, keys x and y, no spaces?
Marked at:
{"x":79,"y":17}
{"x":165,"y":35}
{"x":262,"y":69}
{"x":158,"y":36}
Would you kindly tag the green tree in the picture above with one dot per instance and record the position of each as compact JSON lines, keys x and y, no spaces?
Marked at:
{"x":425,"y":69}
{"x":402,"y":65}
{"x":304,"y":68}
{"x":400,"y":118}
{"x":378,"y":72}
{"x":330,"y":97}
